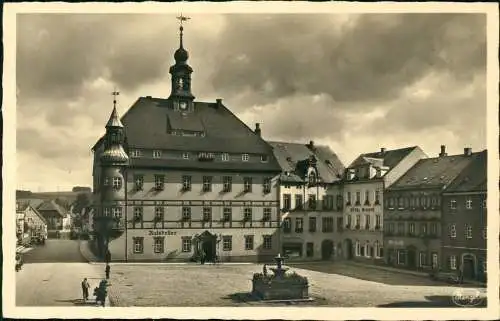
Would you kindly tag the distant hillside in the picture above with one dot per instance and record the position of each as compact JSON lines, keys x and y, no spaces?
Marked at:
{"x":65,"y":197}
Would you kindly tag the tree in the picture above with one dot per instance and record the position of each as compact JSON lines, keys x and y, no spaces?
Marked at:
{"x":82,"y":201}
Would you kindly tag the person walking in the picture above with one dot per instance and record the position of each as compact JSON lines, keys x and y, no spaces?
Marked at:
{"x":85,"y":289}
{"x":108,"y":270}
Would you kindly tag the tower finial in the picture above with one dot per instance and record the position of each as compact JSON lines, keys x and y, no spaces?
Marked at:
{"x":181,"y":19}
{"x":115,"y":93}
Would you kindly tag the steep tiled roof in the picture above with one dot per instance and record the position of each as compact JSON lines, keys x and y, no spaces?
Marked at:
{"x":34,"y":202}
{"x":389,"y":158}
{"x":473,"y":177}
{"x":51,"y":206}
{"x":434,"y":172}
{"x":292,"y":157}
{"x":147,"y":122}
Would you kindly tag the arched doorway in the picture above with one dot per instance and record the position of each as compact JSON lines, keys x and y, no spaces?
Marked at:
{"x":348,"y":249}
{"x":411,"y":257}
{"x":206,"y":245}
{"x":469,"y":266}
{"x":326,"y":249}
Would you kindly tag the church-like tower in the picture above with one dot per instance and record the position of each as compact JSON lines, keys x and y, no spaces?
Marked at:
{"x":181,"y":95}
{"x":110,"y":219}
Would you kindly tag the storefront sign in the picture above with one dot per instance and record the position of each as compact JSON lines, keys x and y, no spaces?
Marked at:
{"x":362,"y":209}
{"x":161,"y":233}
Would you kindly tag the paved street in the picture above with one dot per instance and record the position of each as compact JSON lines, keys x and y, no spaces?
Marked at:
{"x":55,"y":251}
{"x":229,"y":285}
{"x":55,"y":284}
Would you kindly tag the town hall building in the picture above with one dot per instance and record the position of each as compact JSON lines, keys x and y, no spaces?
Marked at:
{"x":175,"y":178}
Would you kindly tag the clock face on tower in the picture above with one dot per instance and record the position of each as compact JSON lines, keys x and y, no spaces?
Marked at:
{"x":183,"y":105}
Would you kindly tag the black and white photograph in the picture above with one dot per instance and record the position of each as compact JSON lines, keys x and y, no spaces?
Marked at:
{"x":264,"y":157}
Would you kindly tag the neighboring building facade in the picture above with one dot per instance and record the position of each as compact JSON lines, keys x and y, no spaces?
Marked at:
{"x":56,"y":218}
{"x":310,"y":226}
{"x":464,"y":221}
{"x":174,"y":178}
{"x":412,"y":215}
{"x":363,"y":188}
{"x":30,"y":223}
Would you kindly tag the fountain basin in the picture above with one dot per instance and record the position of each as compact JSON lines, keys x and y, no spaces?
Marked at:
{"x":285,"y":287}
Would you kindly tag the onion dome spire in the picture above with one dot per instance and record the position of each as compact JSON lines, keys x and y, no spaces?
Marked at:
{"x":181,"y":55}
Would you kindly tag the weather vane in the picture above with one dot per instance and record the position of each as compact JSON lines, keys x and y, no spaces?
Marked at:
{"x":182,"y":18}
{"x":115,"y":93}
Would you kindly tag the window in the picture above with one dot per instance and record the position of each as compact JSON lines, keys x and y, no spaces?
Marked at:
{"x":226,"y":214}
{"x":186,"y":244}
{"x":116,"y":212}
{"x":349,"y":220}
{"x":287,"y":225}
{"x":298,"y":201}
{"x":264,"y":158}
{"x":245,"y":157}
{"x":247,"y":214}
{"x":185,"y":155}
{"x":453,"y":262}
{"x":227,"y":243}
{"x":312,"y":224}
{"x":186,"y":214}
{"x":186,"y":183}
{"x":468,"y":231}
{"x":358,"y":248}
{"x":207,"y":183}
{"x":434,"y":228}
{"x":248,"y":242}
{"x":412,"y":228}
{"x":453,"y":204}
{"x":391,"y":228}
{"x":327,"y":224}
{"x":377,"y":249}
{"x":367,"y":197}
{"x":117,"y":183}
{"x":434,"y":260}
{"x":309,"y":249}
{"x":377,"y":197}
{"x":159,"y":182}
{"x":340,"y":224}
{"x":312,"y":201}
{"x":225,"y":157}
{"x":106,"y":212}
{"x":367,"y":222}
{"x":358,"y":198}
{"x":401,"y":228}
{"x":358,"y":221}
{"x":401,"y":257}
{"x":266,"y":217}
{"x":423,"y":228}
{"x":390,"y":204}
{"x":137,"y":214}
{"x":267,"y":185}
{"x":328,"y":202}
{"x":135,"y":153}
{"x":468,"y":204}
{"x":247,"y":184}
{"x":159,"y":244}
{"x":267,"y":242}
{"x":139,"y":182}
{"x":299,"y":225}
{"x":227,"y":183}
{"x":401,"y":202}
{"x":367,"y":249}
{"x":348,"y":198}
{"x":156,"y":153}
{"x":138,"y":245}
{"x":159,"y":213}
{"x":453,"y":231}
{"x":378,"y":221}
{"x":287,"y":199}
{"x":422,"y":259}
{"x":207,"y":214}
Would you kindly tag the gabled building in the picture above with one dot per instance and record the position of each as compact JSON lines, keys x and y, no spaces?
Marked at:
{"x":364,"y":182}
{"x":58,"y":220}
{"x":176,"y":178}
{"x":412,"y":216}
{"x":464,"y":220}
{"x":310,"y":228}
{"x":29,"y":222}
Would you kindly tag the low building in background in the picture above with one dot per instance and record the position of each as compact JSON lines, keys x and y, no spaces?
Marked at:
{"x":464,"y":221}
{"x":412,"y":215}
{"x":31,"y":225}
{"x":310,"y":227}
{"x":58,"y":220}
{"x":363,"y":186}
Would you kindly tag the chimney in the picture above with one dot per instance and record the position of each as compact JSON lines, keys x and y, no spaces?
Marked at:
{"x":218,"y":102}
{"x":257,"y":129}
{"x":443,"y":151}
{"x":467,"y":151}
{"x":310,"y":145}
{"x":382,"y":150}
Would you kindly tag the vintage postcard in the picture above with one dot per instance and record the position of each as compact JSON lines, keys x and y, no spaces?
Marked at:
{"x":250,"y":160}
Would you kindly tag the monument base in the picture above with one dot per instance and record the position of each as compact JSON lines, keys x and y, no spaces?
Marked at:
{"x":286,"y":287}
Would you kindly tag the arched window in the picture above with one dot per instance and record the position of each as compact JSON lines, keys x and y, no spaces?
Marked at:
{"x":376,"y":246}
{"x":358,"y":248}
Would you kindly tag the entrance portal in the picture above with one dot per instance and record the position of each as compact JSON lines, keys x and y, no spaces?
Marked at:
{"x":348,"y":249}
{"x":469,"y":268}
{"x":326,"y":249}
{"x":411,"y":257}
{"x":208,"y":247}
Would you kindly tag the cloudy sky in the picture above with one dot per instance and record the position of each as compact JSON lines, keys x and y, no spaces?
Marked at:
{"x":354,"y":82}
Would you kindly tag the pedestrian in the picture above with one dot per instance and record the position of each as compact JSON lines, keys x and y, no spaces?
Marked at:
{"x":102,"y":292}
{"x":85,"y":289}
{"x":264,"y":270}
{"x":108,"y":270}
{"x":107,"y":257}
